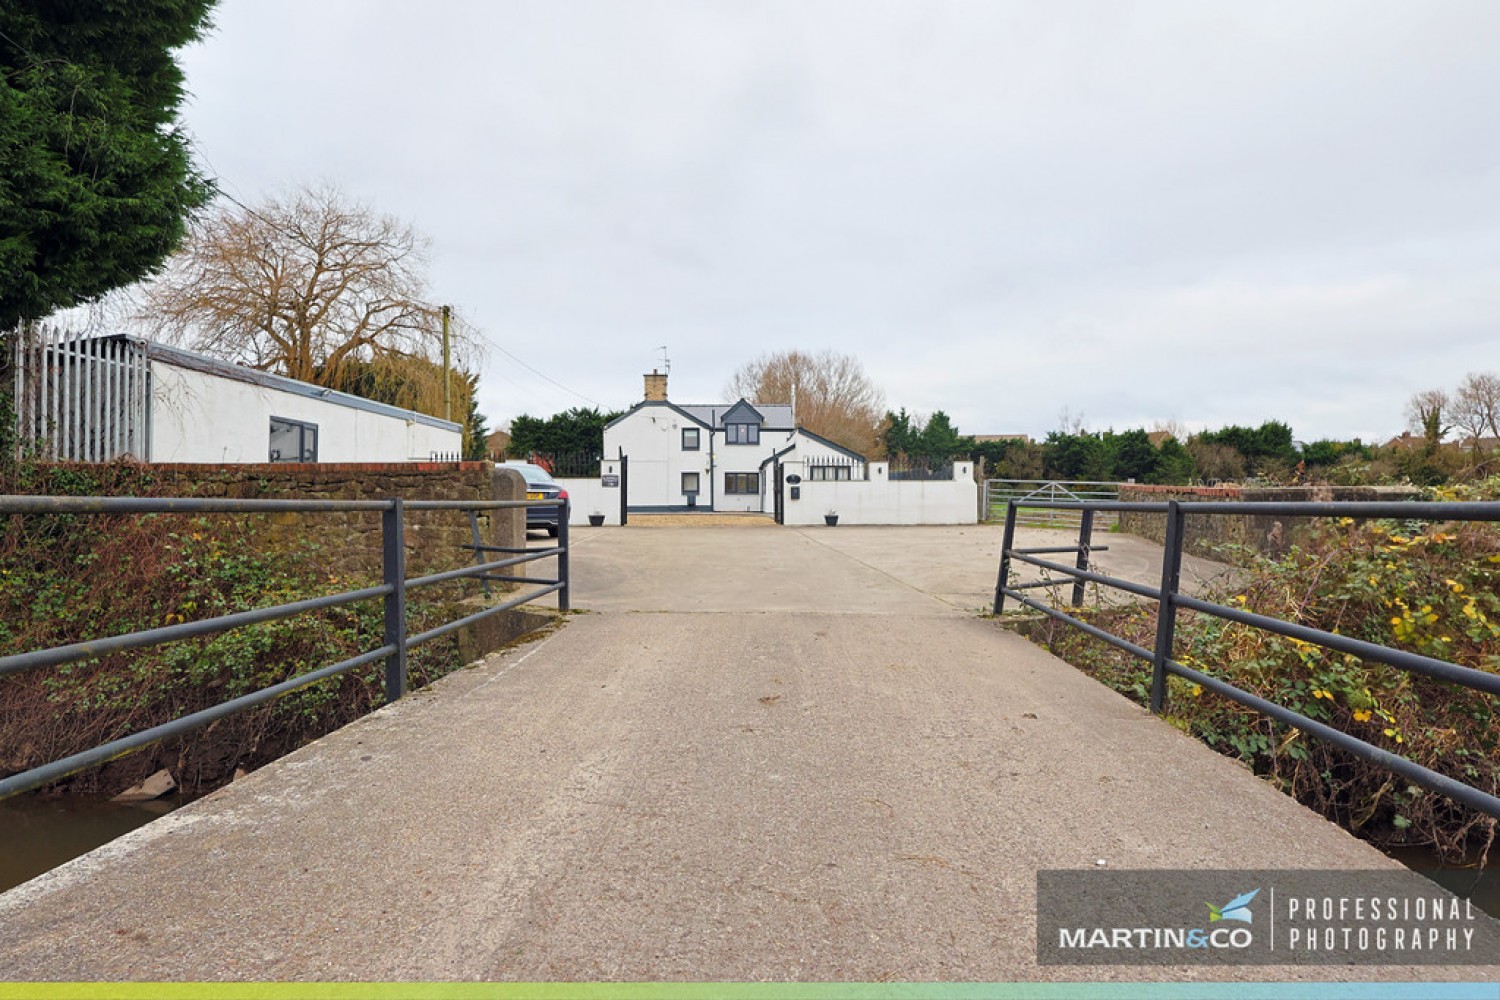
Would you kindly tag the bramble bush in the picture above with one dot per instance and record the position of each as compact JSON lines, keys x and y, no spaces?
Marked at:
{"x":1431,"y":588}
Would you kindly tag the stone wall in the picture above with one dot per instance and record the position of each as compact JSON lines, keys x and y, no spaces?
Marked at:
{"x":351,"y":540}
{"x":1208,"y":534}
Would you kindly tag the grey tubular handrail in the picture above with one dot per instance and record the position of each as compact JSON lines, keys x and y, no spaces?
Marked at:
{"x":392,"y":590}
{"x":1170,"y":599}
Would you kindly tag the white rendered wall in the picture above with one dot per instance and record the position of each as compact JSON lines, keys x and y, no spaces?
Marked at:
{"x":651,"y":438}
{"x":879,"y":501}
{"x":198,"y":417}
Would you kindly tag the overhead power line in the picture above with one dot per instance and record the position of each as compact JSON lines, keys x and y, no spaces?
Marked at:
{"x":542,"y":376}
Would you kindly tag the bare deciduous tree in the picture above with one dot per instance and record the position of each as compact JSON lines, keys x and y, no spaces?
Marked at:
{"x":834,"y":396}
{"x":1475,"y":406}
{"x":1425,"y":413}
{"x":308,"y":286}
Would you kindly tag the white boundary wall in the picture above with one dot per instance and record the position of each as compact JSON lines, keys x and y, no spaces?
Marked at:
{"x":880,"y":501}
{"x":591,"y":496}
{"x":872,"y":501}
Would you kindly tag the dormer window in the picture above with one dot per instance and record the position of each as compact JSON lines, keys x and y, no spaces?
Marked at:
{"x":742,"y":424}
{"x":742,"y":433}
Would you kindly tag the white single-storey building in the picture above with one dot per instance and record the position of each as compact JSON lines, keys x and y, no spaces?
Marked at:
{"x":719,"y":456}
{"x":96,"y":399}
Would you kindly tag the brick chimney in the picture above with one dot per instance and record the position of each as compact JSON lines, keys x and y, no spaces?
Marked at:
{"x":656,"y":387}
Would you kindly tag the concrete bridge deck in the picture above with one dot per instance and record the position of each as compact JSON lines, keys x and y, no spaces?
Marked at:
{"x":762,"y":755}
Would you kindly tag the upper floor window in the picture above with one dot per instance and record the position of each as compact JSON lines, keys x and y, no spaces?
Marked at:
{"x":829,"y":473}
{"x":690,"y":439}
{"x":742,"y":433}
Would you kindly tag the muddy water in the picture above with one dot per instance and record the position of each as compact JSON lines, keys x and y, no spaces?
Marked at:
{"x":37,"y":835}
{"x":1482,"y":885}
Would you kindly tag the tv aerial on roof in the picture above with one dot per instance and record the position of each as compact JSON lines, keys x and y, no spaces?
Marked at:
{"x":666,"y":362}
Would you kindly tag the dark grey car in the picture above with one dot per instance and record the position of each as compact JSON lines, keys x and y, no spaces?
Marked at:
{"x":539,"y":486}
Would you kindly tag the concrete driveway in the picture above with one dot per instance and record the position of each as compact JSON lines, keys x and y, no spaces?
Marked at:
{"x":928,"y":570}
{"x":788,"y":754}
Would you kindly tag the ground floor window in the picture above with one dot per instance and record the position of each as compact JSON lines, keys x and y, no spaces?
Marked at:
{"x":829,"y":473}
{"x":741,"y":483}
{"x":690,"y":482}
{"x":293,"y":440}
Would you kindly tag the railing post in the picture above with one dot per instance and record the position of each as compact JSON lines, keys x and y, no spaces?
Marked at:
{"x":563,"y":517}
{"x":1085,"y":539}
{"x":479,"y":554}
{"x":1006,"y":541}
{"x":393,"y":563}
{"x":1166,"y":621}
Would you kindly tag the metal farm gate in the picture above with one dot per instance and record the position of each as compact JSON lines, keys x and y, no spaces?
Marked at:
{"x":999,"y":492}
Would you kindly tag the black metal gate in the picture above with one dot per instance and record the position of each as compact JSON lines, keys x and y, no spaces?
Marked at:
{"x":779,"y":495}
{"x":624,"y":488}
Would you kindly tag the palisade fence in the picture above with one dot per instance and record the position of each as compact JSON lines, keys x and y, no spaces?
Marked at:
{"x":1000,"y":493}
{"x":78,"y":398}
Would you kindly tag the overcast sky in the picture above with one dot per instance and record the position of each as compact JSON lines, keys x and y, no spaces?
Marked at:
{"x":1142,"y":212}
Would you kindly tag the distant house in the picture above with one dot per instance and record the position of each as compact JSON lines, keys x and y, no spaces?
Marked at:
{"x":1407,"y":441}
{"x":97,"y":399}
{"x":496,"y":442}
{"x":719,"y":456}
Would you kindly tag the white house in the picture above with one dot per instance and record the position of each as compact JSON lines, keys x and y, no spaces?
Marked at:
{"x":102,"y":398}
{"x":721,"y":456}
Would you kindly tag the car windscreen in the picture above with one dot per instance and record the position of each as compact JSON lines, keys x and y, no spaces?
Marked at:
{"x":533,"y":475}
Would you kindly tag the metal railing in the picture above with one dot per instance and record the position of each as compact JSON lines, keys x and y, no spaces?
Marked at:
{"x":1046,"y":493}
{"x":392,"y":590}
{"x":905,"y":468}
{"x":1170,"y":598}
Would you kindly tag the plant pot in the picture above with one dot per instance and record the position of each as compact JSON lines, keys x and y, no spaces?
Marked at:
{"x":830,"y":519}
{"x":596,"y":520}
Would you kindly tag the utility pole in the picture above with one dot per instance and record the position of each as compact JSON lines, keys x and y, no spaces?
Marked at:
{"x":447,"y":398}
